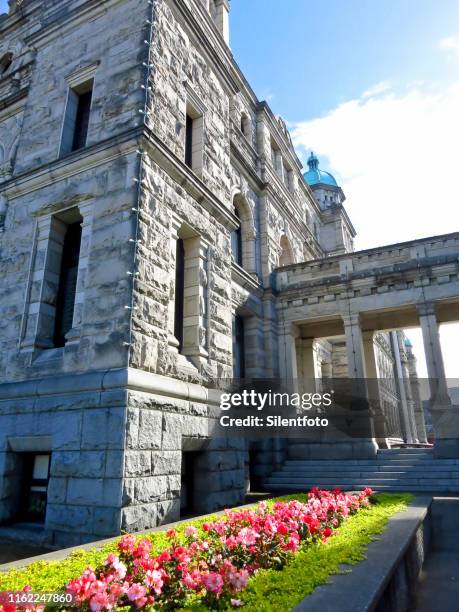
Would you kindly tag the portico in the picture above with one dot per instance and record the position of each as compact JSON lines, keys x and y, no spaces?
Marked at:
{"x":356,"y":295}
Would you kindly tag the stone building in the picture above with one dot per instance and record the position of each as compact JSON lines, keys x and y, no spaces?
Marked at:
{"x":155,"y":223}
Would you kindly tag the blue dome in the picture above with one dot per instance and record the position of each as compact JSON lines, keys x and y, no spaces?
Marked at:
{"x":408,"y":343}
{"x":314,"y":176}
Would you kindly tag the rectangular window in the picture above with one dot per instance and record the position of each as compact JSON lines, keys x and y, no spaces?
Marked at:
{"x":34,"y":490}
{"x":179,"y":292}
{"x":238,"y":347}
{"x":76,"y":123}
{"x":65,"y":302}
{"x":189,"y":142}
{"x":194,"y":139}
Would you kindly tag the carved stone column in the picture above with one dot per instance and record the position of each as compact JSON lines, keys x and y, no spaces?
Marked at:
{"x":445,"y":417}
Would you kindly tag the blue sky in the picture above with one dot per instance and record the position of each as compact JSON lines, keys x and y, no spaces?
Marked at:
{"x":373,"y":88}
{"x":310,"y":55}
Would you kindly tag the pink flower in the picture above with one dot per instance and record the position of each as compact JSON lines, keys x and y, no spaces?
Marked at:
{"x":127,"y":544}
{"x":171,"y":534}
{"x":236,"y":603}
{"x":238,"y":580}
{"x":136,"y":591}
{"x":191,"y":532}
{"x":100,"y":601}
{"x":213,"y":582}
{"x":247,"y":537}
{"x":154,"y":580}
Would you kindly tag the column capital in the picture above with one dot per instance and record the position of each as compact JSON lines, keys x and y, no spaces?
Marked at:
{"x":426,"y":309}
{"x":351,"y":319}
{"x":288,"y":328}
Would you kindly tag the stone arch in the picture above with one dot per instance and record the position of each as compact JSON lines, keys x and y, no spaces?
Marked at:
{"x":247,"y":232}
{"x":286,"y":256}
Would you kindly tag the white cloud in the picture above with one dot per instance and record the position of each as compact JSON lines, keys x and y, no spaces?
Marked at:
{"x":396,"y":157}
{"x":379,"y":88}
{"x":451,"y":44}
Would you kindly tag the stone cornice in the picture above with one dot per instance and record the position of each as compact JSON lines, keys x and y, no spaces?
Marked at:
{"x":128,"y":379}
{"x":75,"y":163}
{"x":188,"y":180}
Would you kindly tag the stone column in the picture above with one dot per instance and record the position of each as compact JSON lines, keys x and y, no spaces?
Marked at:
{"x":363,"y":447}
{"x":444,"y":416}
{"x":288,"y":370}
{"x":41,"y":311}
{"x":402,"y":389}
{"x":434,"y":358}
{"x":354,"y":346}
{"x":195,"y":313}
{"x":307,"y":366}
{"x":221,"y":18}
{"x":374,"y":391}
{"x":86,"y":211}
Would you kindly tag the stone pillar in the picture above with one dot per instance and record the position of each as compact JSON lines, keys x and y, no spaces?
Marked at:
{"x":307,"y":365}
{"x":445,"y":417}
{"x":363,"y":447}
{"x":434,"y":358}
{"x":374,"y":391}
{"x":402,"y":389}
{"x":195,"y":313}
{"x":39,"y":329}
{"x":416,"y":395}
{"x":86,"y":211}
{"x":288,"y":370}
{"x":221,"y":18}
{"x":354,"y":346}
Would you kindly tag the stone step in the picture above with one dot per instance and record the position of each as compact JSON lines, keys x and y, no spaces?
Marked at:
{"x":422,"y":464}
{"x":366,"y":482}
{"x":364,"y":474}
{"x":354,"y":487}
{"x":320,"y":469}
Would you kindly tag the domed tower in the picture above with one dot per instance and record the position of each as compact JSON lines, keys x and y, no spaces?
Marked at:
{"x":337,"y":234}
{"x":323,"y":184}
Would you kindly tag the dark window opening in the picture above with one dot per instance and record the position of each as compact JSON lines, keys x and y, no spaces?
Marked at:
{"x":34,"y":489}
{"x":236,"y":241}
{"x":179,"y":291}
{"x":82,"y":120}
{"x":5,"y":62}
{"x":189,"y":142}
{"x":187,"y":490}
{"x":65,"y":302}
{"x":238,"y":348}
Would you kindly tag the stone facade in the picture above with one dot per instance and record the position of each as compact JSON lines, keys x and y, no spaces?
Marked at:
{"x":125,"y":406}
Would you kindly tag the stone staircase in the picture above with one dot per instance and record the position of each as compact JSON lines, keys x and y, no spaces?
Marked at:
{"x":402,"y":469}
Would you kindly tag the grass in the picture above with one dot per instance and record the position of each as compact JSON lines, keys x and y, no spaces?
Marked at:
{"x":269,"y":589}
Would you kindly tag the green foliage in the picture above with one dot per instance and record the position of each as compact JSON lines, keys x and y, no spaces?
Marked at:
{"x":271,"y":590}
{"x":268,"y":590}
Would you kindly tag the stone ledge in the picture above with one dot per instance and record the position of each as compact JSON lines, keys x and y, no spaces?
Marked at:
{"x":105,"y":380}
{"x":385,"y":579}
{"x":58,"y":555}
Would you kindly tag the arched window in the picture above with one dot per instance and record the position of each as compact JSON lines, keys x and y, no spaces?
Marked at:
{"x":238,"y":347}
{"x":286,"y":257}
{"x":5,"y":62}
{"x":243,"y":238}
{"x":246,"y":125}
{"x":236,"y":241}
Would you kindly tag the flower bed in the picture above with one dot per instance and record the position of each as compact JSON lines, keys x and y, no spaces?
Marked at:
{"x":209,"y":564}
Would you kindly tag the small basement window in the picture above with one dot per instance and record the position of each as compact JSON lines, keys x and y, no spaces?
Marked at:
{"x":34,"y":488}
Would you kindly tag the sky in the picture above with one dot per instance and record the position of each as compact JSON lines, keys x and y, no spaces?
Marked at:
{"x":373,"y":89}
